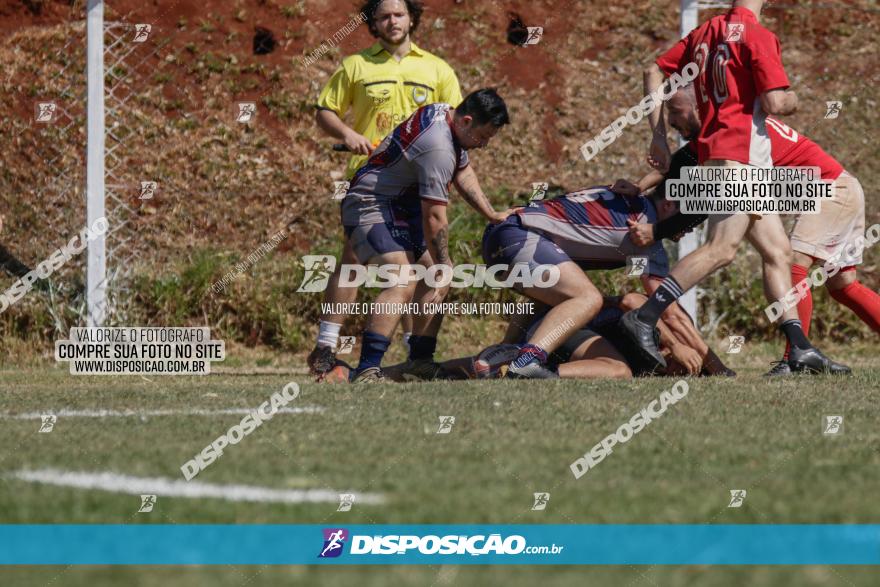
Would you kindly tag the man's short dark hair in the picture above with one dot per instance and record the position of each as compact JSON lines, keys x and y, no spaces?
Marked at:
{"x":485,"y":106}
{"x":414,"y":7}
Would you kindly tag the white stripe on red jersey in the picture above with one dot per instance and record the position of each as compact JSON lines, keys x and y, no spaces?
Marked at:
{"x":792,"y":149}
{"x":789,"y":148}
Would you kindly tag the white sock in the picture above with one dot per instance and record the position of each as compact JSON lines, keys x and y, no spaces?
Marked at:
{"x":406,"y":336}
{"x":328,"y":334}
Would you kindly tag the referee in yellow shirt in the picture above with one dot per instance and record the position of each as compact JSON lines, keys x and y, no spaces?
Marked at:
{"x":382,"y":86}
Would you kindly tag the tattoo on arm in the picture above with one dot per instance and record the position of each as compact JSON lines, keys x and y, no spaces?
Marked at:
{"x":441,"y":244}
{"x":470,"y":190}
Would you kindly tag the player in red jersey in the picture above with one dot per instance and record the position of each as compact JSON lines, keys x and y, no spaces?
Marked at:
{"x":829,"y":236}
{"x":741,"y":80}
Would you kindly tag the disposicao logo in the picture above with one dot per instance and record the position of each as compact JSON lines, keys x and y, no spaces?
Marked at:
{"x":334,"y":541}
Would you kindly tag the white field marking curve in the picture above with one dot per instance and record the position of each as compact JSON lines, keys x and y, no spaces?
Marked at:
{"x":165,"y":487}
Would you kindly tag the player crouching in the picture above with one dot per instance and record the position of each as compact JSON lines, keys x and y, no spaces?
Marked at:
{"x":582,"y":230}
{"x":394,"y":214}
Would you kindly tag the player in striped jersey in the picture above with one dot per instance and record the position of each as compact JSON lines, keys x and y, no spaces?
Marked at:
{"x":395,"y":214}
{"x":582,"y":230}
{"x":378,"y":87}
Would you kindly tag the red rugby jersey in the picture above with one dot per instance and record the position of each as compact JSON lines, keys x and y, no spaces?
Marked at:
{"x":789,"y":148}
{"x":739,"y":60}
{"x":792,"y":149}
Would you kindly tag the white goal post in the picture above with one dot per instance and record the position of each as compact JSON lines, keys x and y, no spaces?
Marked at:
{"x":117,"y":55}
{"x":96,"y":264}
{"x":690,"y":10}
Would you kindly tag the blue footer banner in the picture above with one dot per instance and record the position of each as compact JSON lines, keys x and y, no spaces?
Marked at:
{"x":159,"y":544}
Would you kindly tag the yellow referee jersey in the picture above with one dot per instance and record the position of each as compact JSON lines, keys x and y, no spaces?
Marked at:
{"x":382,"y":92}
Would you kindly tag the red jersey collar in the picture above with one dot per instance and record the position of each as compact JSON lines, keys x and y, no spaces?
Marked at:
{"x":743,"y":12}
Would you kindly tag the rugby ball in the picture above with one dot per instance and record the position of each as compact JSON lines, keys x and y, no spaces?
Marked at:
{"x":491,"y":360}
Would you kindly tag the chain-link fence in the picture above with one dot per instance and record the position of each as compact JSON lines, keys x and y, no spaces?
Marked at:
{"x":191,"y":190}
{"x":49,"y":163}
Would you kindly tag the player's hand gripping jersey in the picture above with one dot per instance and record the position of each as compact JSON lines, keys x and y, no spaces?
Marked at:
{"x":588,"y":227}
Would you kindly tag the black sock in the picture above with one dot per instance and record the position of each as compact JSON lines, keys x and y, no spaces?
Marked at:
{"x":422,"y":347}
{"x":794,"y":332}
{"x":668,"y":292}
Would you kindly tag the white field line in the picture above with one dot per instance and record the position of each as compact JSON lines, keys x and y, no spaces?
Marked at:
{"x":164,"y":487}
{"x":151,"y":413}
{"x":259,"y":371}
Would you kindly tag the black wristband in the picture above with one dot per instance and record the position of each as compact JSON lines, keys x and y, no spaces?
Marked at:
{"x":677,"y":224}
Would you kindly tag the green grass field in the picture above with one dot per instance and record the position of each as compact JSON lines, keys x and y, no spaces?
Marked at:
{"x":509,"y":440}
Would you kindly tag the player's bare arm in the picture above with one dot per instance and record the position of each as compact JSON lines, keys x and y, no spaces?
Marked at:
{"x":683,"y":329}
{"x":679,"y":349}
{"x":673,"y":228}
{"x":649,"y":181}
{"x":330,"y":123}
{"x":659,"y":154}
{"x":678,"y":320}
{"x":436,"y":228}
{"x":642,"y":235}
{"x":468,"y":186}
{"x":779,"y":102}
{"x":441,"y":245}
{"x":679,"y":335}
{"x":684,"y":354}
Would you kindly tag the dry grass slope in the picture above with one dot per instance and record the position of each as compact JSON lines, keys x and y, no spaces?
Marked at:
{"x":226,"y":187}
